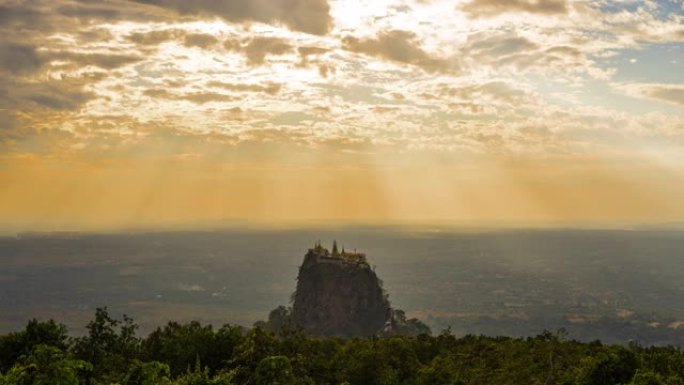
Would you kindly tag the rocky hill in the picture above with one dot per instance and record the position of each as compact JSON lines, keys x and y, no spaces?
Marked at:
{"x":339,"y":294}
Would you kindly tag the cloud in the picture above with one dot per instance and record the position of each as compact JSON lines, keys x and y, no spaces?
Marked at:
{"x":18,"y":16}
{"x":105,"y":61}
{"x":201,"y":40}
{"x":308,"y":51}
{"x":652,"y":23}
{"x":269,"y":88}
{"x":66,"y":94}
{"x":487,"y":8}
{"x":154,"y":37}
{"x":234,"y":113}
{"x":63,"y":16}
{"x":66,"y":63}
{"x":538,"y":53}
{"x":310,"y":16}
{"x":207,"y":97}
{"x":398,"y":46}
{"x":258,"y":48}
{"x":499,"y":45}
{"x":8,"y":122}
{"x":493,"y":97}
{"x":91,"y":11}
{"x":498,"y":49}
{"x":670,"y":93}
{"x":19,"y":58}
{"x":194,"y":97}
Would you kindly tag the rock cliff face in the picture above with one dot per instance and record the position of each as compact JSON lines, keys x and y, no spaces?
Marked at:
{"x":338,"y":294}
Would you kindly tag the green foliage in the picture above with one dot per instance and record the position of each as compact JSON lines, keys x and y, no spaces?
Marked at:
{"x":408,"y":327}
{"x":179,"y":346}
{"x":46,"y":365}
{"x":200,"y":376}
{"x":646,"y":378}
{"x":274,"y":370}
{"x":110,"y":346}
{"x":255,"y":346}
{"x":615,"y":366}
{"x":279,"y":319}
{"x":147,"y":373}
{"x":196,"y":354}
{"x":15,"y":345}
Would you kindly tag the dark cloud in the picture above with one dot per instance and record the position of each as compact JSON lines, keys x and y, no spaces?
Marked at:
{"x":307,"y":51}
{"x":258,"y":48}
{"x":159,"y":94}
{"x":194,"y":97}
{"x":19,"y":16}
{"x":154,"y":37}
{"x":326,"y":69}
{"x":105,"y":61}
{"x":671,"y":94}
{"x":499,"y":45}
{"x":19,"y":58}
{"x":485,"y":8}
{"x":207,"y":97}
{"x":64,"y":95}
{"x":310,"y":16}
{"x":64,"y":16}
{"x":8,"y":122}
{"x":497,"y":92}
{"x":398,"y":46}
{"x":269,"y":88}
{"x":202,"y":40}
{"x":504,"y":49}
{"x":59,"y":100}
{"x":564,"y":51}
{"x":91,"y":11}
{"x":314,"y":52}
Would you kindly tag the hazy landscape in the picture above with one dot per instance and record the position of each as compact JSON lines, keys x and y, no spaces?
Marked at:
{"x":612,"y":285}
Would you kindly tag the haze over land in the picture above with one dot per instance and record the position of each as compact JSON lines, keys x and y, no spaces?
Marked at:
{"x":143,"y":114}
{"x":610,"y":285}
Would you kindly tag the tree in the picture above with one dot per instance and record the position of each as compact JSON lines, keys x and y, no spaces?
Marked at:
{"x":46,"y":365}
{"x":147,"y":373}
{"x":200,"y":376}
{"x":180,"y":345}
{"x":15,"y":345}
{"x":274,"y":370}
{"x":110,"y":345}
{"x":608,"y":368}
{"x":254,"y":347}
{"x":279,"y":319}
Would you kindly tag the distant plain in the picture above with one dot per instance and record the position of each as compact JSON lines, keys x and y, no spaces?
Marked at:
{"x":613,"y":285}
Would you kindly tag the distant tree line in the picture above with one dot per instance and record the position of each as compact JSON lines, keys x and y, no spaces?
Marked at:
{"x":196,"y":354}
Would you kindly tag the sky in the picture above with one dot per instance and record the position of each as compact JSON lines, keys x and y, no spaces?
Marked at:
{"x":124,"y":114}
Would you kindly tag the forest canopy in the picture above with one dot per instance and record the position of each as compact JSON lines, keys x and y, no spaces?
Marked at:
{"x":196,"y":354}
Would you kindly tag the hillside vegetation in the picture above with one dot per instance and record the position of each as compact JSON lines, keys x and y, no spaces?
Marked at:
{"x":196,"y":354}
